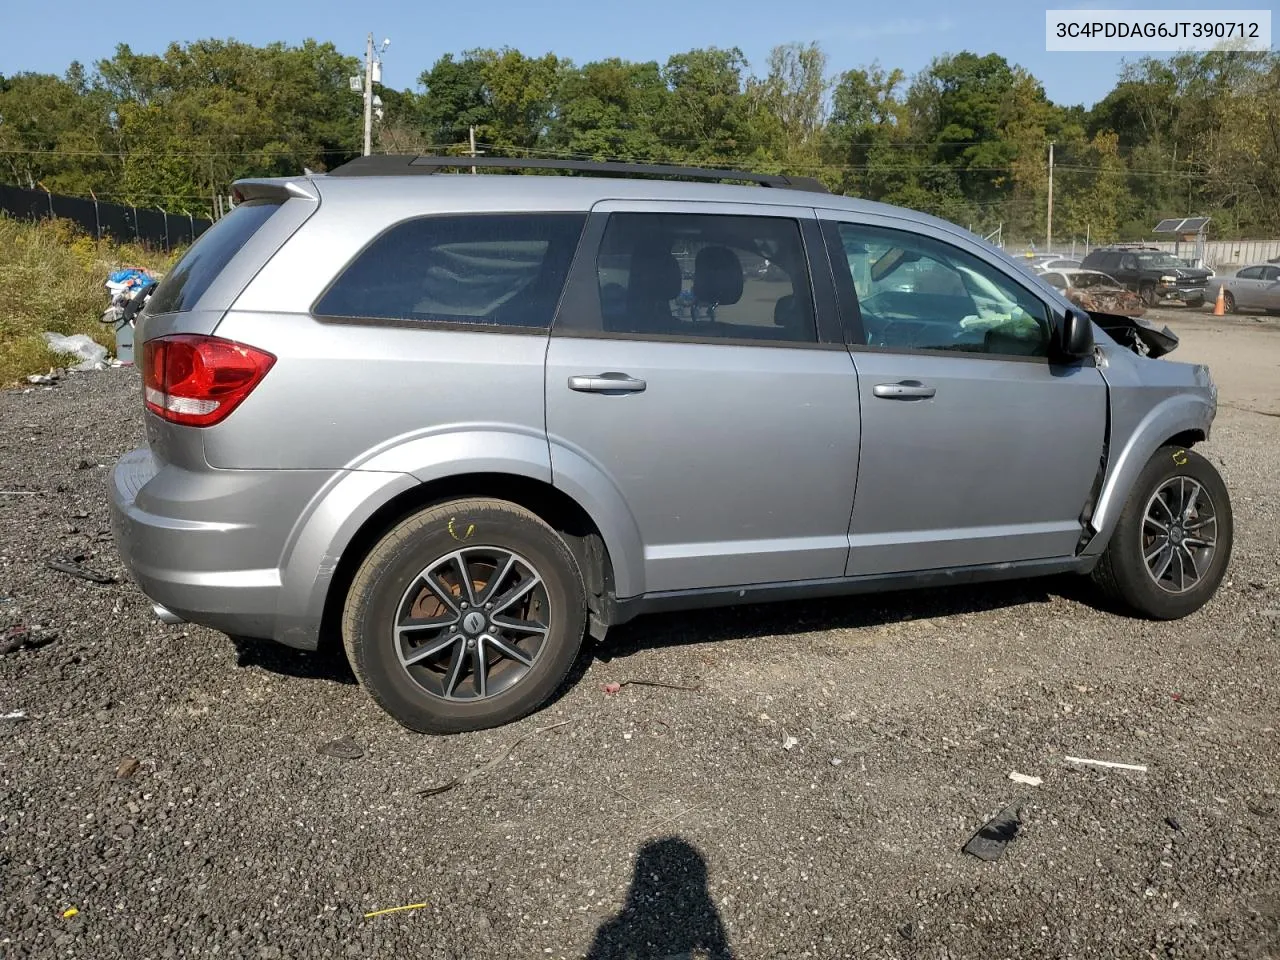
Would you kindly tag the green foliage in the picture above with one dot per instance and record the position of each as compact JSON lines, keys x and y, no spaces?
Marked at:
{"x":966,"y":138}
{"x":52,"y":281}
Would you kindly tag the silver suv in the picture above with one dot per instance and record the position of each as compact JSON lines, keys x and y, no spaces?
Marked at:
{"x":461,"y":420}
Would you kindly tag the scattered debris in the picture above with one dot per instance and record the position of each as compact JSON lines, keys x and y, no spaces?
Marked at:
{"x":478,"y":771}
{"x":344,"y":749}
{"x":836,"y":761}
{"x":33,"y":638}
{"x":128,"y":767}
{"x":91,"y":354}
{"x":616,"y":685}
{"x":15,"y":715}
{"x":13,"y":640}
{"x":789,"y":742}
{"x":74,"y":568}
{"x":996,"y":834}
{"x":19,"y":493}
{"x":47,"y":379}
{"x":1107,"y":763}
{"x":1030,"y":781}
{"x":407,"y":906}
{"x":1258,"y":810}
{"x":85,"y":464}
{"x":908,"y":930}
{"x":70,"y":912}
{"x":1173,"y":823}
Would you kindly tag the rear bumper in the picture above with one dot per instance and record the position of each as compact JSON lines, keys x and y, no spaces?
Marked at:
{"x":207,"y":544}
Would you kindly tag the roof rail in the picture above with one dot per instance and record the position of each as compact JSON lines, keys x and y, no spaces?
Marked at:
{"x":391,"y":165}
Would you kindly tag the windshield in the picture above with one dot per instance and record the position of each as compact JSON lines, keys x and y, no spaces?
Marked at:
{"x":1159,"y":260}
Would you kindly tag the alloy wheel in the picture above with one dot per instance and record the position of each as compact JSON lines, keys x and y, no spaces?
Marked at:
{"x":1179,"y":534}
{"x":472,"y":623}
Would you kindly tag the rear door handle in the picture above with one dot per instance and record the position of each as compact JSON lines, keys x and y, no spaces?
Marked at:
{"x":607,"y":383}
{"x":904,"y":390}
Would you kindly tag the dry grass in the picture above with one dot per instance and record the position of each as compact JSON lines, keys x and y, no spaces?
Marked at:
{"x":51,"y":277}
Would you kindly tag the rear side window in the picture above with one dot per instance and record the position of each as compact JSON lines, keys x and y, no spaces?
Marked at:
{"x":208,"y":256}
{"x":504,"y":270}
{"x":705,"y":275}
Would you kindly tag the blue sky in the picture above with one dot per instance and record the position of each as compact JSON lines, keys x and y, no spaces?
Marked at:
{"x":905,"y":34}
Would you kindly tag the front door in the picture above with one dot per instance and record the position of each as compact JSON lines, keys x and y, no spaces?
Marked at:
{"x":975,"y":448}
{"x":686,"y":366}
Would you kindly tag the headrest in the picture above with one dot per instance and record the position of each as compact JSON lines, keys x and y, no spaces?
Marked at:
{"x":717,"y":276}
{"x":655,"y":275}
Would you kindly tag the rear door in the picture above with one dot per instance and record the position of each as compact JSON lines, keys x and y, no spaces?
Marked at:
{"x":1269,"y":295}
{"x":975,"y":448}
{"x":697,"y":365}
{"x":1245,"y":289}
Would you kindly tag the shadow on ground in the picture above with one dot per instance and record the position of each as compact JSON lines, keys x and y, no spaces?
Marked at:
{"x":668,"y":914}
{"x":326,"y":664}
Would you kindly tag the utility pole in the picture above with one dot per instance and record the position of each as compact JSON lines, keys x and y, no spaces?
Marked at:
{"x":473,"y":152}
{"x":368,"y":95}
{"x":1048,"y":234}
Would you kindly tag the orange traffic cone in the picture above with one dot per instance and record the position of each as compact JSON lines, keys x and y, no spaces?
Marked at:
{"x":1220,"y":308}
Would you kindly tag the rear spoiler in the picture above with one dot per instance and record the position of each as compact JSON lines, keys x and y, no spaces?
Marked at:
{"x":278,"y":189}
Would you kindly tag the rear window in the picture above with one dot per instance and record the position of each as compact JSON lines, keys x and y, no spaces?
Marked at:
{"x":187,"y":282}
{"x":504,"y":270}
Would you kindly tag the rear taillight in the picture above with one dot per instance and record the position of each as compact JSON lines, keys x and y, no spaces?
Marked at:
{"x":196,"y":380}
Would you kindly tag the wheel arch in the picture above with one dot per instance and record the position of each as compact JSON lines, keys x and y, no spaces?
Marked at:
{"x":1182,"y":420}
{"x":553,"y":506}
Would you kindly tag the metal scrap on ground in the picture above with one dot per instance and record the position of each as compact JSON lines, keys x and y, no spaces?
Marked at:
{"x":1107,"y":763}
{"x":995,"y":835}
{"x":467,"y":777}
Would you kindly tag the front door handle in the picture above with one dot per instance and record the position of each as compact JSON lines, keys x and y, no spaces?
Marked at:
{"x":904,"y":390}
{"x":607,"y":383}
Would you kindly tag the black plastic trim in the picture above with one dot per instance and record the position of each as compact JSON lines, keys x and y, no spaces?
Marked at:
{"x":627,"y":609}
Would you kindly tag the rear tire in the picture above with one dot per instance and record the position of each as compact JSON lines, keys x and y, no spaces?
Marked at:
{"x":1182,"y":492}
{"x":432,"y":631}
{"x":1228,"y":302}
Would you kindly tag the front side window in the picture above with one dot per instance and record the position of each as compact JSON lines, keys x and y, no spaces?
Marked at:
{"x":705,"y":275}
{"x":918,"y":293}
{"x":1250,"y":273}
{"x":505,"y":270}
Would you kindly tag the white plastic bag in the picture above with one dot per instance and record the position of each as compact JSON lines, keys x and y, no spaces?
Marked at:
{"x":93,"y":355}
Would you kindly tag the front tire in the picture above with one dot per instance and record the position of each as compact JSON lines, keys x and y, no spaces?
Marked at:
{"x":1149,"y":296}
{"x":1229,"y":302}
{"x":1172,"y":544}
{"x":465,"y":616}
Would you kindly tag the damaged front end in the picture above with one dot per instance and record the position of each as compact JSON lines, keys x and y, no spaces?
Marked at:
{"x":1137,"y":334}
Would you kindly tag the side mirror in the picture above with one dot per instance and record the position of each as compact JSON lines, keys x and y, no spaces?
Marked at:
{"x":1075,"y":335}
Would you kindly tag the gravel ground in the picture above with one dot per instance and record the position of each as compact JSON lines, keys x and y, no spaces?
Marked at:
{"x":654,"y":821}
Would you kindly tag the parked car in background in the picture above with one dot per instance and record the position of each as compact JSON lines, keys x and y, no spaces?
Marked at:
{"x":1255,"y":287}
{"x":1040,"y":262}
{"x":456,"y":423}
{"x":1095,"y":292}
{"x":1154,"y":275}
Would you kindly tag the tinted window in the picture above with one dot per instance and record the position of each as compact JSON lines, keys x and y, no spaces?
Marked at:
{"x":699,"y":275}
{"x":918,"y":293}
{"x":186,"y":283}
{"x":503,"y":270}
{"x":1056,"y":280}
{"x":1250,"y":273}
{"x":1271,"y":273}
{"x":1129,"y":262}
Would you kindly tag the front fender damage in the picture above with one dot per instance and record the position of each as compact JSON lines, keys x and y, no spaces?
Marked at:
{"x":1137,"y":334}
